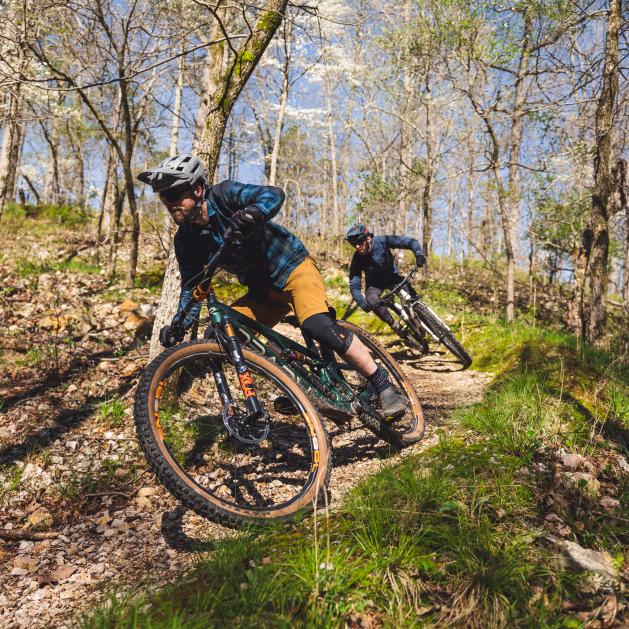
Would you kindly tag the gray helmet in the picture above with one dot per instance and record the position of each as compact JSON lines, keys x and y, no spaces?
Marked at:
{"x":179,"y":172}
{"x":357,"y":233}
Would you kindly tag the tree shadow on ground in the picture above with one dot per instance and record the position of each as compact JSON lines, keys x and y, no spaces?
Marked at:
{"x":437,"y":362}
{"x":63,"y":422}
{"x":174,"y":535}
{"x":52,"y":379}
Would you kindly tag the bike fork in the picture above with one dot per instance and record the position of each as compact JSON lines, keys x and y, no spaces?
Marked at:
{"x":252,"y":403}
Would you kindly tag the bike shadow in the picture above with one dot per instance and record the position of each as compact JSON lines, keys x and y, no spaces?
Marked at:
{"x":435,"y":361}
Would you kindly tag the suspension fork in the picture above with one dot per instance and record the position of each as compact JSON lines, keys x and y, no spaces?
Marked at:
{"x":233,"y":348}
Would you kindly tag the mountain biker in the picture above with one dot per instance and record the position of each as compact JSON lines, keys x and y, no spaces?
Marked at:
{"x":373,"y":257}
{"x":271,"y":261}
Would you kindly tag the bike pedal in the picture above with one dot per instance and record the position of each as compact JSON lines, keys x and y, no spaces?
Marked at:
{"x":284,"y":406}
{"x":390,"y":419}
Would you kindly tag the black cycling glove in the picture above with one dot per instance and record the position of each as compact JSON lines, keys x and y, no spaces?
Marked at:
{"x":245,"y":221}
{"x":420,"y":259}
{"x":172,"y":334}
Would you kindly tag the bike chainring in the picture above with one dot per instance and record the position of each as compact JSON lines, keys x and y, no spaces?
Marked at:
{"x":244,"y":427}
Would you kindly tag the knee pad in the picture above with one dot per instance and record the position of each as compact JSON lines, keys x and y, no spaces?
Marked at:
{"x":324,"y":329}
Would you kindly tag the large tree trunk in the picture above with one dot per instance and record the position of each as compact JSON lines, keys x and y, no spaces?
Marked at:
{"x":224,"y":89}
{"x":602,"y":193}
{"x":8,"y":154}
{"x":167,"y":223}
{"x":212,"y":69}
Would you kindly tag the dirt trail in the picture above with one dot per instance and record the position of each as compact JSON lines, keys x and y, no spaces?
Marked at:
{"x":121,"y":538}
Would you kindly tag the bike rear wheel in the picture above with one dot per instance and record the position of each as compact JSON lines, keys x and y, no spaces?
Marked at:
{"x":404,"y":430}
{"x":437,"y":327}
{"x":178,"y":415}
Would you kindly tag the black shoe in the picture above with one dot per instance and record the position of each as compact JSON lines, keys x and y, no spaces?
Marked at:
{"x":284,"y":406}
{"x":392,"y":404}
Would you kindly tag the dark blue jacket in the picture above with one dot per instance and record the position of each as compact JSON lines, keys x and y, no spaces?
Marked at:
{"x":264,"y":261}
{"x":378,"y":265}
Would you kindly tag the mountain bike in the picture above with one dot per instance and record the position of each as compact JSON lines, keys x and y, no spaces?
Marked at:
{"x":420,"y":321}
{"x":230,"y":423}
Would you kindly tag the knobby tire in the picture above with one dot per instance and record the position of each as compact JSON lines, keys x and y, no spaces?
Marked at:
{"x":179,"y":482}
{"x":383,"y":429}
{"x":441,"y":331}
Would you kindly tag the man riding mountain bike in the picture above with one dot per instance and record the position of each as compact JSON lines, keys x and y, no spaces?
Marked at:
{"x":373,"y":257}
{"x":271,"y":261}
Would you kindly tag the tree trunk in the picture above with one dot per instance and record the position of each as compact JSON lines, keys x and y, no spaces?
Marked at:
{"x":336,"y":218}
{"x":8,"y":153}
{"x":51,"y":182}
{"x":279,"y":123}
{"x":14,"y":160}
{"x":577,"y":319}
{"x":103,"y":203}
{"x":212,"y":69}
{"x":515,"y":136}
{"x":426,"y":196}
{"x":223,"y":91}
{"x":601,"y":195}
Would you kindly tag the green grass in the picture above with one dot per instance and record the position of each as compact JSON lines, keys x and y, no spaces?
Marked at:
{"x":455,"y":535}
{"x":405,"y":539}
{"x":26,"y":267}
{"x":67,"y":215}
{"x":111,"y":412}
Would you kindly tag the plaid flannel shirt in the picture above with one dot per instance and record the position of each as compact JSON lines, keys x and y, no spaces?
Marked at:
{"x":263,"y":261}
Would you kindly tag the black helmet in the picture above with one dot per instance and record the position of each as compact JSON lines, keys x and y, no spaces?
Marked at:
{"x":179,"y":172}
{"x":357,"y":233}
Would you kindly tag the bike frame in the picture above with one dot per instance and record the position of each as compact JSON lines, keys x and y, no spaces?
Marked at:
{"x":307,"y":367}
{"x":404,"y":309}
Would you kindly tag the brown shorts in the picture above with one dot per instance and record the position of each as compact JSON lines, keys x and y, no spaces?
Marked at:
{"x":304,"y":295}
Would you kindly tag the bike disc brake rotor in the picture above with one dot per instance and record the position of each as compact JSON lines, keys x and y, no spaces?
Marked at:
{"x":245,"y":428}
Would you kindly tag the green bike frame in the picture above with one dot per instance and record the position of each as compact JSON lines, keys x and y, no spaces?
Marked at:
{"x":323,"y":378}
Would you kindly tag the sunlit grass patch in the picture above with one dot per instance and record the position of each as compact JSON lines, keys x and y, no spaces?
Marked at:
{"x":112,"y":411}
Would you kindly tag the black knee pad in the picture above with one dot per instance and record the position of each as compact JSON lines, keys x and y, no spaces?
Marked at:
{"x":324,"y":329}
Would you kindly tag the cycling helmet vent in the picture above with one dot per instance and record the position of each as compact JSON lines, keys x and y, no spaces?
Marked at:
{"x":178,"y":172}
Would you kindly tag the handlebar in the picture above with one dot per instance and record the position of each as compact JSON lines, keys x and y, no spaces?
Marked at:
{"x":202,"y":289}
{"x":388,"y":296}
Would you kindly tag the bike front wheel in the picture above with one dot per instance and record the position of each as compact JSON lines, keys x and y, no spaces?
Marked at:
{"x":440,"y":330}
{"x":179,"y":421}
{"x":404,"y":430}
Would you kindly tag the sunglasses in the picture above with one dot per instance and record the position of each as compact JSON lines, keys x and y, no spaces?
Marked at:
{"x":171,"y":196}
{"x":356,"y":241}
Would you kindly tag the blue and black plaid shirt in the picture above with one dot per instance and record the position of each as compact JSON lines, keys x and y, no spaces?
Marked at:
{"x":264,"y":261}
